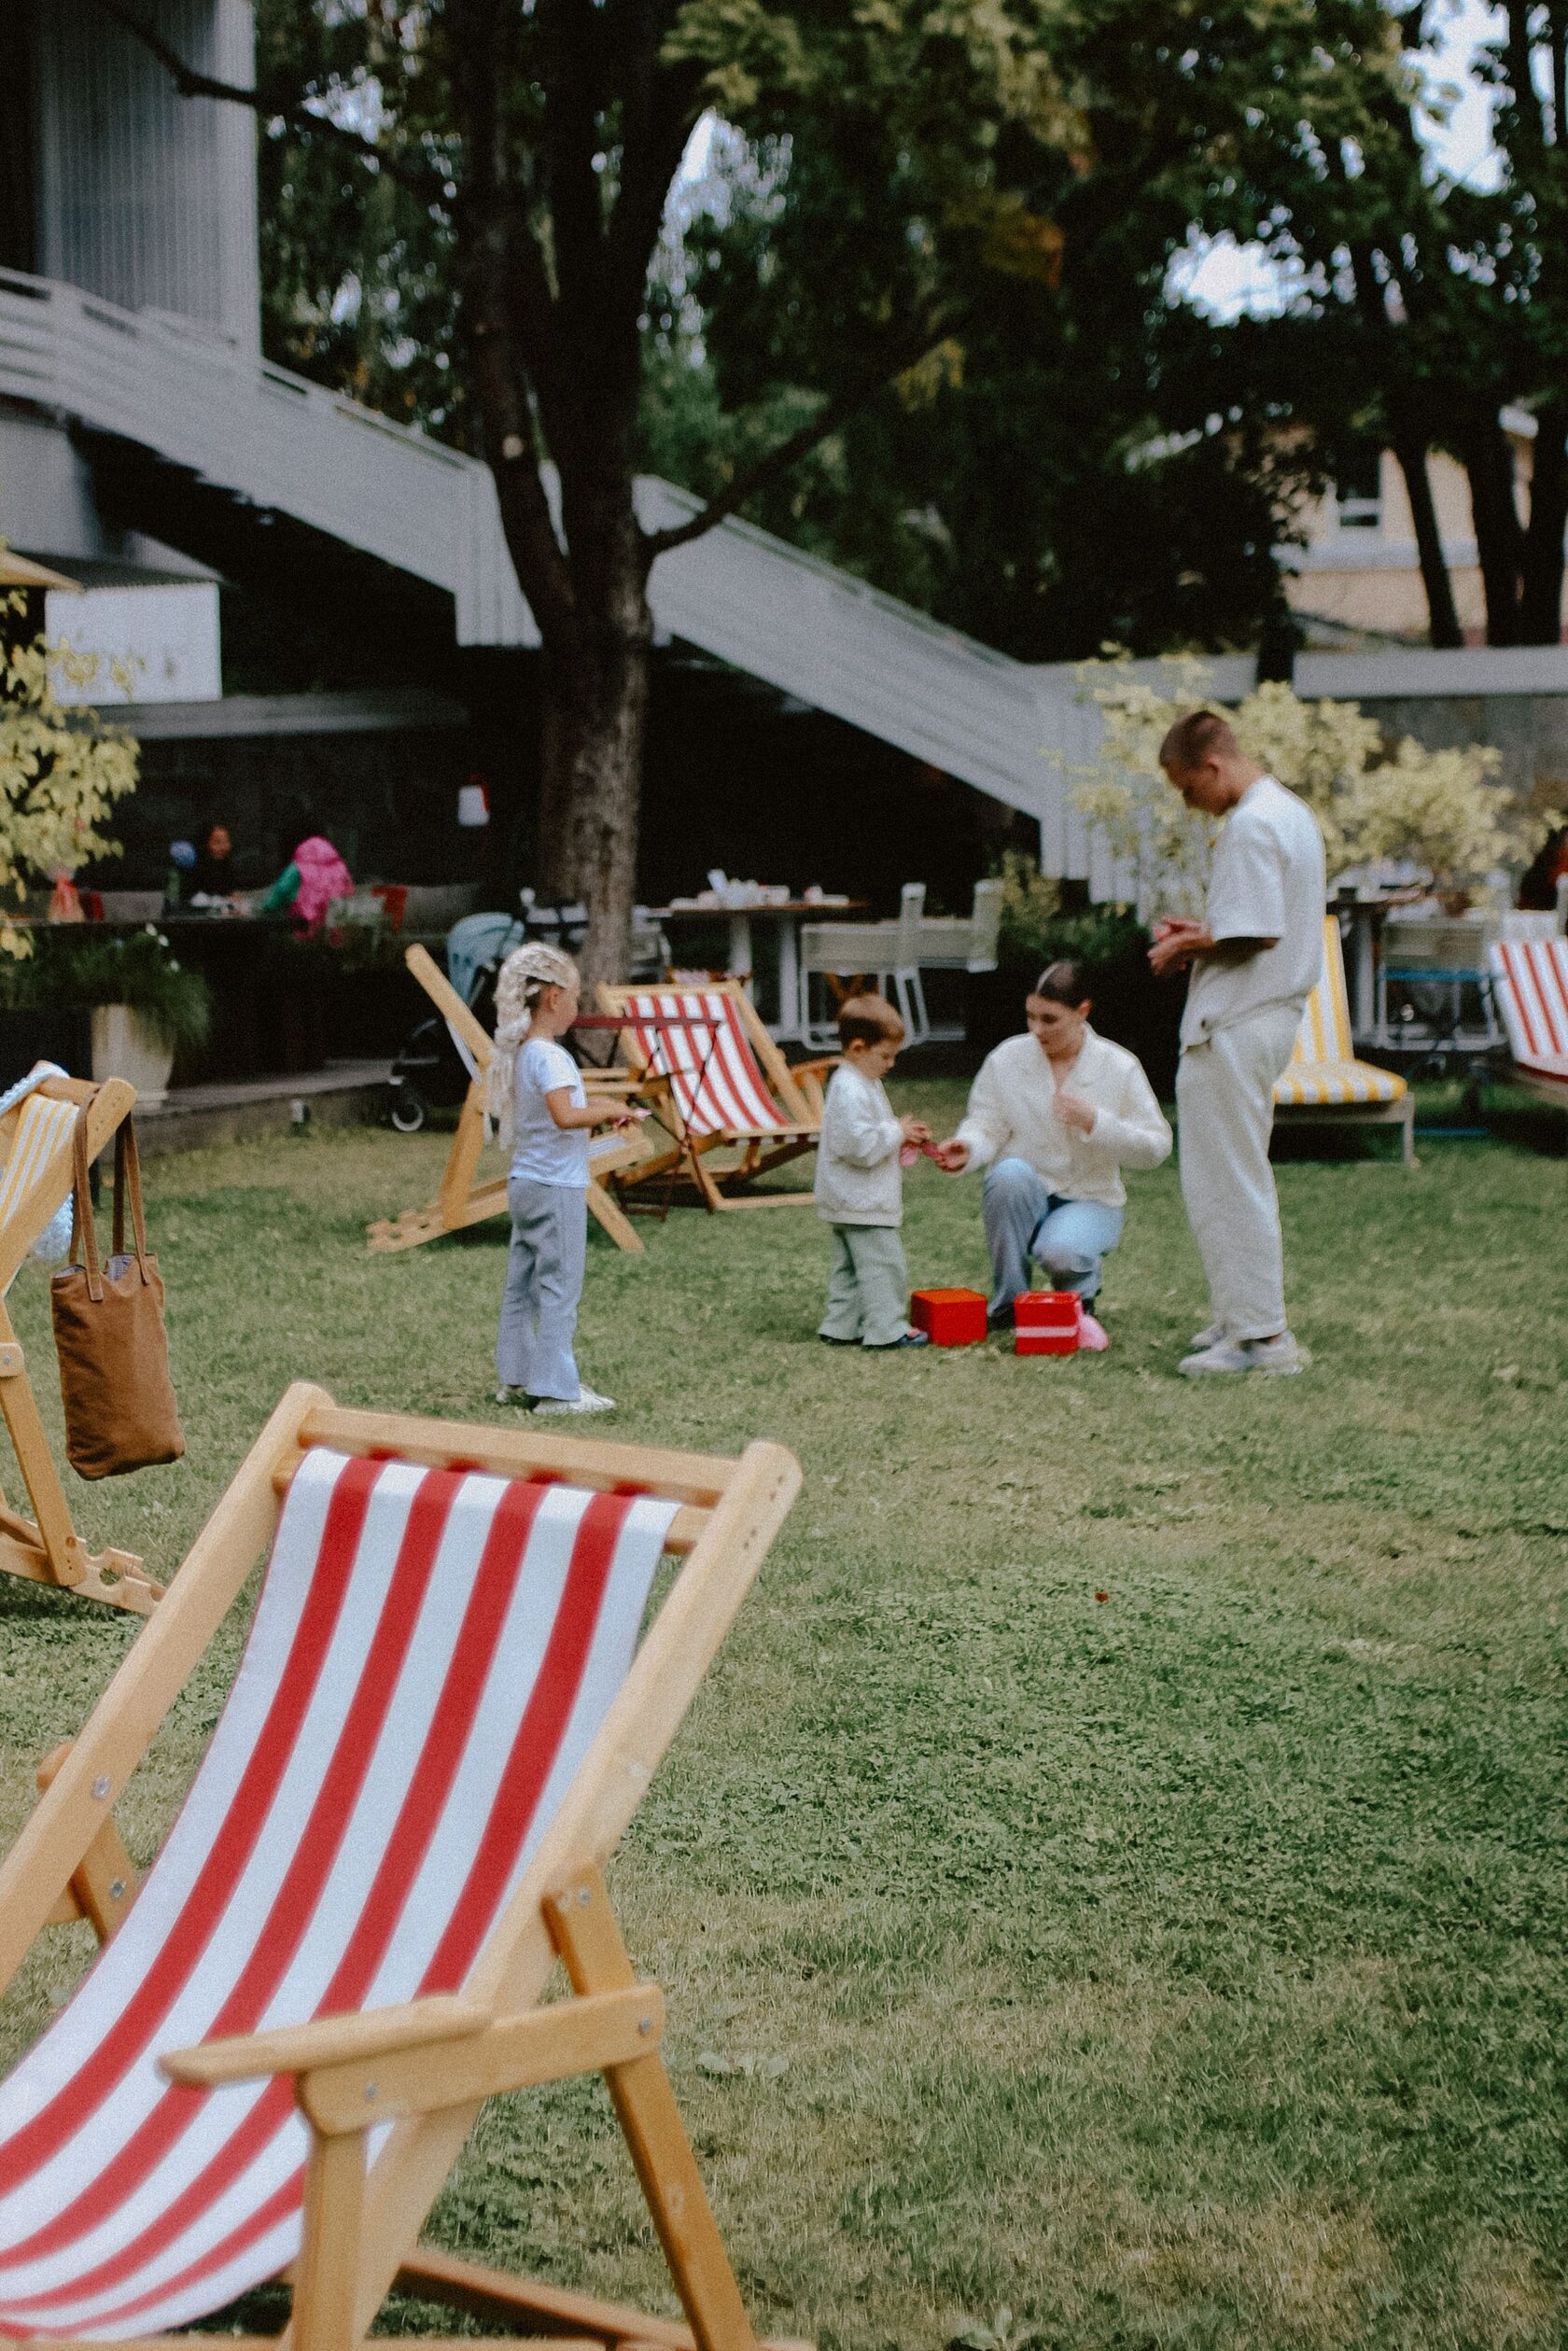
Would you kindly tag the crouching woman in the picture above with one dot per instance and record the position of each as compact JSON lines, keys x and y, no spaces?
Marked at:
{"x":1053,"y":1116}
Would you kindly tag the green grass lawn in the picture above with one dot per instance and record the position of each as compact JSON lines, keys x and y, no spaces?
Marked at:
{"x":1117,"y":1869}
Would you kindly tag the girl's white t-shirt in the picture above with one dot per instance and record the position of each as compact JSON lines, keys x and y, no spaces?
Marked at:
{"x":541,"y":1152}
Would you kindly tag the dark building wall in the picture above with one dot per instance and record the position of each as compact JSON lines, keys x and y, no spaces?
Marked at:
{"x":18,"y":241}
{"x":734,"y":777}
{"x":387,"y":800}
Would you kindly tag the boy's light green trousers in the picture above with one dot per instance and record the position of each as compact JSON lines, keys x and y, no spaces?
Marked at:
{"x":868,"y":1288}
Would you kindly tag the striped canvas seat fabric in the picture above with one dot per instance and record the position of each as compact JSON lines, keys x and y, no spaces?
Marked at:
{"x":1322,"y":1067}
{"x":1530,"y":983}
{"x":431,"y":1655}
{"x":698,"y":1042}
{"x":42,"y":1125}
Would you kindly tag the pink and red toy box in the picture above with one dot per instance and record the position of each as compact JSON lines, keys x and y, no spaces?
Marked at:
{"x":949,"y":1318}
{"x":1046,"y":1322}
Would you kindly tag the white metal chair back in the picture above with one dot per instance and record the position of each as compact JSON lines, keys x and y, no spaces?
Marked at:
{"x":985,"y":925}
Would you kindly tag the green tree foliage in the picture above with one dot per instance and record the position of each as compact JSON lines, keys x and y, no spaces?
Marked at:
{"x":60,"y":774}
{"x":532,"y":146}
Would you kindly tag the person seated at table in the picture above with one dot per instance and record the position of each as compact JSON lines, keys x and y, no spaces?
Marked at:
{"x":314,"y":876}
{"x":213,"y":874}
{"x":1053,"y":1118}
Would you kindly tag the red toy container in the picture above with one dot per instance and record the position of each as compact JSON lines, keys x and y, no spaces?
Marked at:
{"x":950,"y":1318}
{"x":1046,"y":1322}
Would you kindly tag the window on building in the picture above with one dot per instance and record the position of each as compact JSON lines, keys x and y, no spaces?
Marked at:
{"x":1359,"y":489}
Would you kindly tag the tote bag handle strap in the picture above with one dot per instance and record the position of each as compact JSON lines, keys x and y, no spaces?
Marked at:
{"x":84,"y":1241}
{"x":128,"y":1186}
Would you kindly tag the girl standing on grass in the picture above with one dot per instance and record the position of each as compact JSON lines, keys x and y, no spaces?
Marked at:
{"x":537,"y":1091}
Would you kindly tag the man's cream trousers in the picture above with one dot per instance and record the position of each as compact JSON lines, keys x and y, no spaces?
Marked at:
{"x":1224,"y":1106}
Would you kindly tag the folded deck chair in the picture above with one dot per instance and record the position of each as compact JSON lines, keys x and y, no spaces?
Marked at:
{"x":1530,"y":983}
{"x":36,"y":1135}
{"x":460,"y":1200}
{"x":718,"y":1084}
{"x":440,"y":1726}
{"x":1324,"y":1083}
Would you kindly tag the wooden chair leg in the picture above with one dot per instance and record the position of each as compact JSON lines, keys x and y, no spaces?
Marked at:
{"x":51,"y":1551}
{"x":327,"y":2275}
{"x":583,"y":1928}
{"x":612,"y":1219}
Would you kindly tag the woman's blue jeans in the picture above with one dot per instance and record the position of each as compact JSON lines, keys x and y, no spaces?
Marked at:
{"x":1024,"y":1220}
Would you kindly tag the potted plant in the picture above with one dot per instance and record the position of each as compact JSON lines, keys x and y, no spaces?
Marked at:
{"x":144,"y":1001}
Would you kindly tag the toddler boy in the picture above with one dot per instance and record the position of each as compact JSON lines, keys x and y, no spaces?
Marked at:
{"x":859,"y":1190}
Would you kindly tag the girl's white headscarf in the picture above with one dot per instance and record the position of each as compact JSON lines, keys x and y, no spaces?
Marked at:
{"x":525,"y":975}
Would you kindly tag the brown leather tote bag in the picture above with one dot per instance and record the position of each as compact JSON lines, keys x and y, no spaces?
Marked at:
{"x":108,"y":1332}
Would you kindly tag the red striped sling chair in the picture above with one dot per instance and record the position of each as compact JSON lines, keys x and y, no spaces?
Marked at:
{"x":1530,"y":985}
{"x":730,"y":1103}
{"x":439,"y":1727}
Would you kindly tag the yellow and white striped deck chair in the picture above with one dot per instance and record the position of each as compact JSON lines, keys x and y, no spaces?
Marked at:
{"x":1323,"y":1082}
{"x":37,"y":1140}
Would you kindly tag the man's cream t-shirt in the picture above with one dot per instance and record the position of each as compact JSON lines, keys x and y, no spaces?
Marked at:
{"x":1268,"y":882}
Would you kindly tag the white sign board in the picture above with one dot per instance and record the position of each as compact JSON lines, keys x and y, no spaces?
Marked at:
{"x":165,"y":636}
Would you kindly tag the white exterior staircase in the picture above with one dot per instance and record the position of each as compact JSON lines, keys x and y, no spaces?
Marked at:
{"x":276,"y":441}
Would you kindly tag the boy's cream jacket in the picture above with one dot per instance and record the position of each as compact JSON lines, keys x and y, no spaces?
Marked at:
{"x":858,"y":1179}
{"x":1011,"y":1116}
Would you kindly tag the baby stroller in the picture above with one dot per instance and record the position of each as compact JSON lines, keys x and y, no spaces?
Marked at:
{"x":431,"y":1072}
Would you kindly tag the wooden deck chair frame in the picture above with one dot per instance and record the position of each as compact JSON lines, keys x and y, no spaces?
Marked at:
{"x":47,"y":1548}
{"x":1400,"y":1112}
{"x":427,"y":2065}
{"x":797,"y":1090}
{"x":461,"y":1200}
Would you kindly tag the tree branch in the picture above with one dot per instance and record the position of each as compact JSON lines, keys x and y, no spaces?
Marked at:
{"x":797,"y":445}
{"x":419,"y":179}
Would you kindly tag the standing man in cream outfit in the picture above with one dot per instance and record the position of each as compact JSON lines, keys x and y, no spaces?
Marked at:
{"x":1254,"y":959}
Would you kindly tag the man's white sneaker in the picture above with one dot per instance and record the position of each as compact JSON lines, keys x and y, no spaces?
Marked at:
{"x":1280,"y":1354}
{"x":585,"y":1400}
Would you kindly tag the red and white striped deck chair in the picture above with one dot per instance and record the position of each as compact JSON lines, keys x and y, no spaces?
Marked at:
{"x":729,"y":1100}
{"x":1530,"y":982}
{"x":1324,"y":1083}
{"x":440,"y":1725}
{"x":37,"y":1137}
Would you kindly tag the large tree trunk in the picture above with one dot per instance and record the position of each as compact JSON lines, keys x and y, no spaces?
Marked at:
{"x":596,"y":708}
{"x":1540,"y":608}
{"x":1442,"y":618}
{"x":1489,"y":461}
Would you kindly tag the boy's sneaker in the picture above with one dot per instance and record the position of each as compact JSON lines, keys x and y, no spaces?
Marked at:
{"x":910,"y":1338}
{"x":516,"y":1395}
{"x":1092,"y":1334}
{"x":1277,"y":1355}
{"x":585,"y":1400}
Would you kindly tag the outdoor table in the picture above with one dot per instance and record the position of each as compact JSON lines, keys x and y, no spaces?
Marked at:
{"x":786,"y":917}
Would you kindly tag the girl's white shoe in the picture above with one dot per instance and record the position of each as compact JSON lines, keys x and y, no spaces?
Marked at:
{"x":1092,"y":1335}
{"x":585,"y":1400}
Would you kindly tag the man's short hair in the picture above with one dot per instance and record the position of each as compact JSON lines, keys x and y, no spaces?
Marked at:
{"x":1201,"y":735}
{"x":869,"y":1020}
